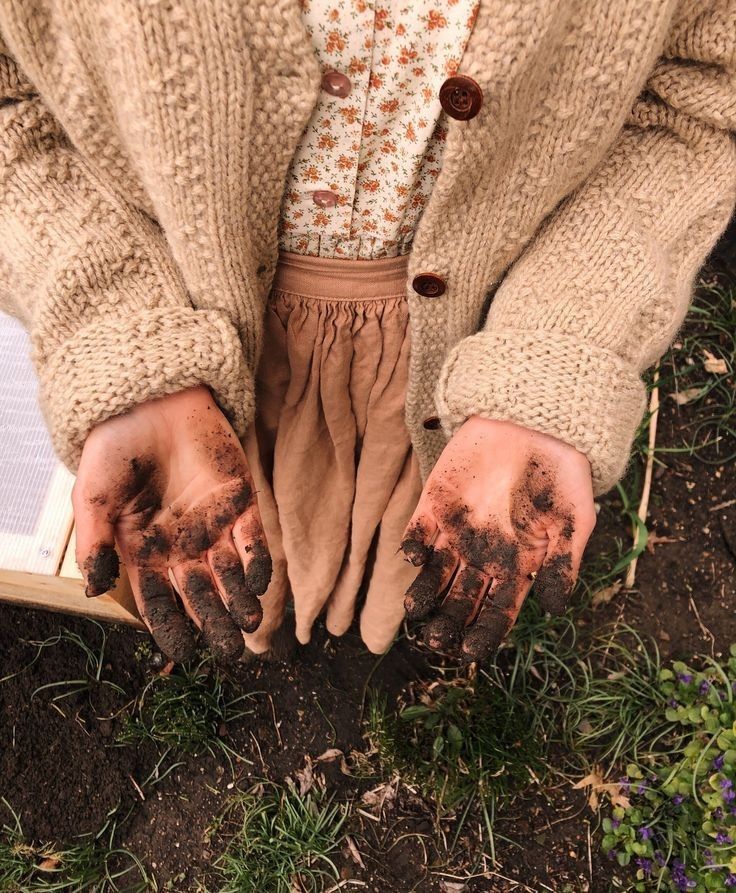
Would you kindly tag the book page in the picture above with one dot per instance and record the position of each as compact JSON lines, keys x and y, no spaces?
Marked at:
{"x":35,"y":488}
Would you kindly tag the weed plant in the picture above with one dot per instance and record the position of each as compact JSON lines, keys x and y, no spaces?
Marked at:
{"x":281,"y":842}
{"x":183,"y":712}
{"x":94,"y":865}
{"x":679,"y":830}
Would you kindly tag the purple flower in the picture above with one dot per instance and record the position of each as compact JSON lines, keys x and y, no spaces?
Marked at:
{"x":659,"y":857}
{"x":678,"y":799}
{"x":645,"y":865}
{"x":685,"y":678}
{"x":725,"y":783}
{"x":732,"y":810}
{"x":673,"y":703}
{"x":611,"y":854}
{"x":729,"y":796}
{"x":718,"y":813}
{"x":641,"y":787}
{"x":719,"y":761}
{"x":731,"y":880}
{"x":722,"y":839}
{"x":615,"y":823}
{"x":645,"y":833}
{"x":624,"y":781}
{"x":704,"y":687}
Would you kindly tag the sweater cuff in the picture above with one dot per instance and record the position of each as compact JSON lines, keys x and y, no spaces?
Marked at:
{"x":112,"y":365}
{"x":552,"y":383}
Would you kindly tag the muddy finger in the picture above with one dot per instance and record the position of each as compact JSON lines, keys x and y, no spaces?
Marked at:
{"x":228,"y":574}
{"x":204,"y":605}
{"x":555,"y":582}
{"x":157,"y":604}
{"x":251,"y":545}
{"x":443,"y":632}
{"x":495,"y":619}
{"x":432,"y":580}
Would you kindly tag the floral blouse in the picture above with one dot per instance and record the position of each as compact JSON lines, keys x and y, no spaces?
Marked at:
{"x":367,"y":160}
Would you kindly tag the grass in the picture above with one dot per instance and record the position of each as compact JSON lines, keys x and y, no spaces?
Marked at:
{"x":94,"y":865}
{"x":280,"y":842}
{"x":185,"y":713}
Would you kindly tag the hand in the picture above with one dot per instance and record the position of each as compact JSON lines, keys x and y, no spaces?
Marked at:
{"x":169,"y":482}
{"x":503,"y":507}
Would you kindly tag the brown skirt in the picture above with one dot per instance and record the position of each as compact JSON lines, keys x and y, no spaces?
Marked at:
{"x":330,"y":453}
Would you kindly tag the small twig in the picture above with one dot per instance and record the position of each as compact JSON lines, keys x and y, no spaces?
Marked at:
{"x":590,"y":857}
{"x":722,"y":505}
{"x":703,"y":628}
{"x":275,"y":723}
{"x":350,"y":882}
{"x":648,"y":472}
{"x":137,"y":787}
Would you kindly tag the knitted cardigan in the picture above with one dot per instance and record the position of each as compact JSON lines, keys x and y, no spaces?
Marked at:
{"x":144,"y":146}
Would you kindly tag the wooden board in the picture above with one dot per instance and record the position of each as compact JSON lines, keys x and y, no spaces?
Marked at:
{"x":65,"y":592}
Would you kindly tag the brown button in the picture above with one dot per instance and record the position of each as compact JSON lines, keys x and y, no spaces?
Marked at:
{"x":428,"y":285}
{"x":461,"y":97}
{"x":336,"y":83}
{"x":432,"y":423}
{"x":324,"y":198}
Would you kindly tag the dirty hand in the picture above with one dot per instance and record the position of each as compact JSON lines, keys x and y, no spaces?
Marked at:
{"x":169,"y":482}
{"x":503,"y":507}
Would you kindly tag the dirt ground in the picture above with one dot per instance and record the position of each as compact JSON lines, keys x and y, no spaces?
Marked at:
{"x":62,"y":774}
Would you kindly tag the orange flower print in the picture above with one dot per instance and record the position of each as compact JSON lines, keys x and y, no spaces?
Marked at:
{"x":325,"y":122}
{"x":402,"y":190}
{"x":381,"y":19}
{"x":357,"y":66}
{"x":311,"y":173}
{"x":407,"y":55}
{"x":436,"y":20}
{"x":388,"y":147}
{"x":375,"y":81}
{"x":410,"y":132}
{"x":345,"y":162}
{"x":369,"y":128}
{"x":389,"y":217}
{"x":388,"y":106}
{"x":451,"y":67}
{"x":427,"y":94}
{"x":327,"y":141}
{"x":401,"y":30}
{"x":334,"y":15}
{"x":350,"y":114}
{"x":418,"y":71}
{"x":321,"y":219}
{"x":371,"y":185}
{"x":335,"y":42}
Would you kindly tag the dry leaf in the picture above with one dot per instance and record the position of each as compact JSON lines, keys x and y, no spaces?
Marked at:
{"x":603,"y":596}
{"x":305,"y":777}
{"x":50,"y":864}
{"x":334,"y":754}
{"x":598,"y":785}
{"x":452,"y":887}
{"x":686,"y":396}
{"x":716,"y":365}
{"x":354,"y":852}
{"x":654,"y":539}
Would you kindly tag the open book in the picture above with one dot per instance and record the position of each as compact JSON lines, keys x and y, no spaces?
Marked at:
{"x":37,"y":564}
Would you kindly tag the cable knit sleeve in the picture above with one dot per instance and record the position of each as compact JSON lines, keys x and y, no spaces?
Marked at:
{"x":93,"y":281}
{"x":600,"y":292}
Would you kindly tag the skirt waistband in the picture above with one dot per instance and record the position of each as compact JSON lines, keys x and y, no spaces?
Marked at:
{"x":341,"y":279}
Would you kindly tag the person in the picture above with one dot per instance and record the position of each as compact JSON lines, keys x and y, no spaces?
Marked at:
{"x":310,"y":281}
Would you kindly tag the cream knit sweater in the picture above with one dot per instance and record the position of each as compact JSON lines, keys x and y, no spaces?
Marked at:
{"x":144,"y":146}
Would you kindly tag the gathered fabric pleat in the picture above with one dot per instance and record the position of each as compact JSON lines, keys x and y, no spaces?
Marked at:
{"x":336,"y":476}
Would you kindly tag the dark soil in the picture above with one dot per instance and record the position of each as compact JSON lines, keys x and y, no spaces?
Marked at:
{"x":61,"y":773}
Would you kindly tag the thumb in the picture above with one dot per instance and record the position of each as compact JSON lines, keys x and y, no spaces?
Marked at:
{"x":95,"y":553}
